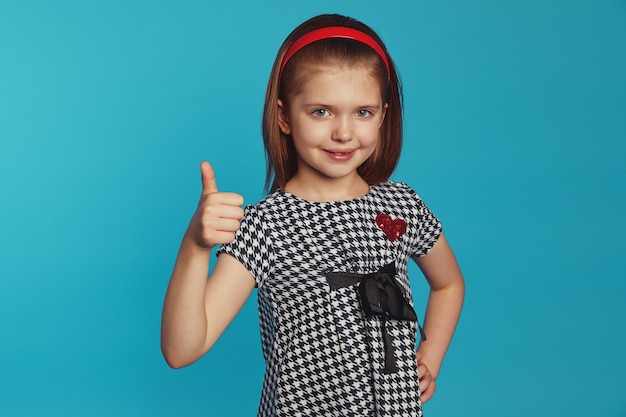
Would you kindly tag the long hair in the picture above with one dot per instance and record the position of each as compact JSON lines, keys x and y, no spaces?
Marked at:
{"x":282,"y":162}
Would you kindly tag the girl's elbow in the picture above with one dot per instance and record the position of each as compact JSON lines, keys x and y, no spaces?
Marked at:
{"x":177,"y":358}
{"x":173,"y":360}
{"x":174,"y":363}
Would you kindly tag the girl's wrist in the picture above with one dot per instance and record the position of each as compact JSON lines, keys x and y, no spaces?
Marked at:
{"x":423,"y":359}
{"x":191,"y":243}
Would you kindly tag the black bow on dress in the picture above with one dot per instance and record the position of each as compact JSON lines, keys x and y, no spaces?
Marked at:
{"x":380,"y":296}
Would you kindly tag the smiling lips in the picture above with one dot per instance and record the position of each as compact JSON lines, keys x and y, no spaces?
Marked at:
{"x":340,"y":155}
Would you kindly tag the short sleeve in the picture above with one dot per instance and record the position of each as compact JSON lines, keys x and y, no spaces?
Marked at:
{"x":429,"y":227}
{"x":251,"y":245}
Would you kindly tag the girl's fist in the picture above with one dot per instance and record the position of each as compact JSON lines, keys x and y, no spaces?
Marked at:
{"x":217,"y":218}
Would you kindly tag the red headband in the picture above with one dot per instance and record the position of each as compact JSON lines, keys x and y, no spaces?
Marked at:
{"x":334,"y":32}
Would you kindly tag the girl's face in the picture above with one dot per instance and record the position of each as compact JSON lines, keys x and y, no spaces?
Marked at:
{"x":334,"y":122}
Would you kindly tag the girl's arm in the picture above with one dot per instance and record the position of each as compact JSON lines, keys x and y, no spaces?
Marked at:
{"x":196,"y":310}
{"x":447,"y":289}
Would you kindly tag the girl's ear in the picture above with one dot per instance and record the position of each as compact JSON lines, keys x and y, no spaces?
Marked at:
{"x":283,"y":120}
{"x":382,"y":119}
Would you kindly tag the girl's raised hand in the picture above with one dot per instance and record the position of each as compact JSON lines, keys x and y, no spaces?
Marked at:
{"x":218,"y":214}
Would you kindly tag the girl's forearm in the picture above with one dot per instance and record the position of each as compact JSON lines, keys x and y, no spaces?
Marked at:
{"x":184,"y":322}
{"x":442,"y":314}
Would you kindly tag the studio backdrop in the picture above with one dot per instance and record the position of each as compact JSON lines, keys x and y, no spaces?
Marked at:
{"x":515,"y":132}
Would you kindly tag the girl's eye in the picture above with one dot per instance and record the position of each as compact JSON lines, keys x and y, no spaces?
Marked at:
{"x":320,"y":112}
{"x":363,"y":113}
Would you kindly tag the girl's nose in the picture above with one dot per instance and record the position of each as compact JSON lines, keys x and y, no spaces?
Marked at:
{"x":342,"y":131}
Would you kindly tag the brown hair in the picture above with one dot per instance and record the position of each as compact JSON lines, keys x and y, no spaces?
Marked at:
{"x":282,"y":162}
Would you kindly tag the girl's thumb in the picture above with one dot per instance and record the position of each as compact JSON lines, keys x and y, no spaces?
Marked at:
{"x":209,"y":186}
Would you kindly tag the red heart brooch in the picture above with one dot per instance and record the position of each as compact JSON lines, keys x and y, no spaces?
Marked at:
{"x":393,"y":228}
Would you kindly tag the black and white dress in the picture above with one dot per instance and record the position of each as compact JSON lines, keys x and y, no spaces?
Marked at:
{"x":325,"y":355}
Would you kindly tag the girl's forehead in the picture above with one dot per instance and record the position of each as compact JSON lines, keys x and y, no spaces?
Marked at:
{"x":340,"y":77}
{"x":338,"y":68}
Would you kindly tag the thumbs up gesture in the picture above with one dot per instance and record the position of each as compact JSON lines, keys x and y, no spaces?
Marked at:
{"x":218,"y":214}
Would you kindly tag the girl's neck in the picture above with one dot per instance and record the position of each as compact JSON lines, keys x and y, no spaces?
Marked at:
{"x":327,"y":190}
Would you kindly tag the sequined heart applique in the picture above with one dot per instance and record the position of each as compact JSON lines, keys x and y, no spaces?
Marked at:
{"x":393,"y":228}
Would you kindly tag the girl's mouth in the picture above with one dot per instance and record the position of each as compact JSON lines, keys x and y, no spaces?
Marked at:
{"x":340,"y":155}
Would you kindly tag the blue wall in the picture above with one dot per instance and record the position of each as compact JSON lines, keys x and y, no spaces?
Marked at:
{"x":515,"y":136}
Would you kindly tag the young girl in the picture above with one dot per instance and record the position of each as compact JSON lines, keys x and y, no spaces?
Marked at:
{"x":328,"y":247}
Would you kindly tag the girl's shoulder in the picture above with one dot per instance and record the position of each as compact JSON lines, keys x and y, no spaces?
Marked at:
{"x":398,"y":196}
{"x":394,"y":189}
{"x":272,"y":203}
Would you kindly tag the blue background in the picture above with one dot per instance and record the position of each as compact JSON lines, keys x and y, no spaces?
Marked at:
{"x":515,"y":136}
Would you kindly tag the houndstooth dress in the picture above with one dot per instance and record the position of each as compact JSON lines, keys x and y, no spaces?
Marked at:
{"x":324,"y":356}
